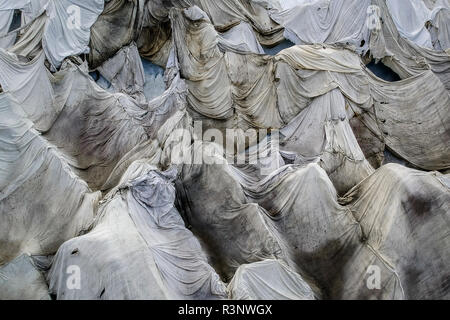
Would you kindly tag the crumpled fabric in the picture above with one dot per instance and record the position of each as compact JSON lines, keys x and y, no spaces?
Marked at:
{"x":21,"y":280}
{"x":314,"y":233}
{"x":113,"y":129}
{"x":440,"y":29}
{"x":269,"y":92}
{"x":64,"y":35}
{"x":241,"y":38}
{"x":404,"y":57}
{"x":324,"y":21}
{"x":413,"y":25}
{"x":320,"y":198}
{"x":121,"y":18}
{"x":6,"y":18}
{"x":30,"y":8}
{"x":410,"y":122}
{"x":67,"y":31}
{"x":416,"y":202}
{"x":234,"y":231}
{"x":203,"y":64}
{"x":323,"y":133}
{"x":225,"y":14}
{"x":35,"y":175}
{"x":29,"y":85}
{"x":125,"y":72}
{"x":138,"y":222}
{"x":30,"y":42}
{"x":268,"y":280}
{"x":410,"y":18}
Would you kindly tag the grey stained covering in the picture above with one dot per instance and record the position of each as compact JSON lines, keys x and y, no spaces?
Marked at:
{"x":113,"y":170}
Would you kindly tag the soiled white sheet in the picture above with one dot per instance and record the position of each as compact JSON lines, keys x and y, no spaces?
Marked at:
{"x":34,"y":178}
{"x":138,"y":222}
{"x":29,"y":85}
{"x":67,"y":32}
{"x":410,"y":18}
{"x":268,"y":280}
{"x":325,"y":21}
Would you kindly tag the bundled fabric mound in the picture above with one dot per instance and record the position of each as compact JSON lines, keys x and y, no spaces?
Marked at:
{"x":232,"y":149}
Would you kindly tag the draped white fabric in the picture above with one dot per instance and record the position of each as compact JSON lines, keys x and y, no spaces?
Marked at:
{"x":67,"y":32}
{"x":139,"y":191}
{"x":324,"y":21}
